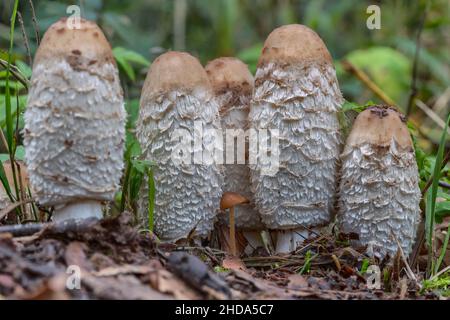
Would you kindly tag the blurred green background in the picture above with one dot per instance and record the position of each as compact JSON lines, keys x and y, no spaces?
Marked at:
{"x":140,"y":30}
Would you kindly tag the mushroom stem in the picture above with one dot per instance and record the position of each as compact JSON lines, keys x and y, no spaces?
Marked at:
{"x":232,"y":233}
{"x":289,"y":240}
{"x":254,"y":240}
{"x":78,"y":210}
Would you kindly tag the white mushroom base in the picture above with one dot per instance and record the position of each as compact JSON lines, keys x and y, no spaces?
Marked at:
{"x":289,"y":240}
{"x":78,"y":211}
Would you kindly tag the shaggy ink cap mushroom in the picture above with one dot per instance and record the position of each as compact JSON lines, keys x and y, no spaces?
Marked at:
{"x":74,"y":122}
{"x":177,"y":97}
{"x":297,"y":93}
{"x":379,"y":192}
{"x":232,"y":83}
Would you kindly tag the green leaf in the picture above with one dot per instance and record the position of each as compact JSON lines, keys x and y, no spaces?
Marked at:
{"x":24,"y":69}
{"x":126,"y":67}
{"x":8,"y":114}
{"x":131,"y":56}
{"x":387,"y":67}
{"x":125,"y":57}
{"x":442,"y":210}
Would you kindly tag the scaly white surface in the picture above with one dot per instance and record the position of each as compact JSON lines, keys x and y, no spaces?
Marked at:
{"x":237,"y":176}
{"x":187,"y":195}
{"x":74,"y":132}
{"x":379,"y":196}
{"x":302,"y":102}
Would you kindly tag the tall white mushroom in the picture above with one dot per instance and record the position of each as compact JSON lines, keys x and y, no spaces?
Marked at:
{"x":74,"y":122}
{"x":177,"y":107}
{"x":233,"y":86}
{"x":379,"y":188}
{"x":297,"y":93}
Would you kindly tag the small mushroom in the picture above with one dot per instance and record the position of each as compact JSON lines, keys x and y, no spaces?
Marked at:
{"x":297,"y":93}
{"x":379,"y":191}
{"x":176,"y":99}
{"x":75,"y":122}
{"x":229,"y":201}
{"x":233,"y":86}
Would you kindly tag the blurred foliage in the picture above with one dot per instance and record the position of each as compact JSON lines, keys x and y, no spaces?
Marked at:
{"x":239,"y":27}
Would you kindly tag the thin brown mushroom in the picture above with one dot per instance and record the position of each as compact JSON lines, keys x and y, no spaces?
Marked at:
{"x":229,"y":201}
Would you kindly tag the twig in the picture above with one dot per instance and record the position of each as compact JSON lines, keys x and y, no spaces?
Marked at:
{"x":349,"y":67}
{"x":21,"y":230}
{"x":409,"y":272}
{"x":431,"y":114}
{"x":25,"y":38}
{"x":430,"y":181}
{"x":447,"y":268}
{"x":416,"y":64}
{"x":444,"y":184}
{"x":12,"y":206}
{"x":16,"y":73}
{"x":364,"y":78}
{"x":35,"y":25}
{"x":179,"y":24}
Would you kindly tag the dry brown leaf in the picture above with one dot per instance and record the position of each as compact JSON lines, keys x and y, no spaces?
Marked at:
{"x":166,"y":282}
{"x":124,"y":269}
{"x":297,"y":282}
{"x":233,"y":263}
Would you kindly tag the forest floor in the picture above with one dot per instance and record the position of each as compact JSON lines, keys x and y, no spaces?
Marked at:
{"x":115,"y":261}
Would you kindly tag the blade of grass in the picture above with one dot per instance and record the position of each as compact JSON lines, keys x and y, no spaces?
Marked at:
{"x":443,"y":251}
{"x":431,"y":195}
{"x":8,"y":116}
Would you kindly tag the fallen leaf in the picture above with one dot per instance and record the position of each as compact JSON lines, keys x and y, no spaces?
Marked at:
{"x":233,"y":263}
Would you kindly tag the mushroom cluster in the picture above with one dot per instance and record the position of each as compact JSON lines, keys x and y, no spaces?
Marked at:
{"x":74,"y":122}
{"x":177,"y":106}
{"x":75,"y":130}
{"x":297,"y":93}
{"x":379,"y":188}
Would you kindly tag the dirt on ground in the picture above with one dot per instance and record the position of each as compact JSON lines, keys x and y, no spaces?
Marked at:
{"x":110,"y":259}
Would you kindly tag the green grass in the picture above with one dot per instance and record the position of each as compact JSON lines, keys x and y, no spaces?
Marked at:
{"x":430,"y":208}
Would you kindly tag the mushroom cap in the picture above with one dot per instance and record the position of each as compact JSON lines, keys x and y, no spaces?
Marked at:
{"x":231,"y":199}
{"x":174,"y":70}
{"x":378,"y":125}
{"x":87,"y":44}
{"x":292,"y":44}
{"x":229,"y":73}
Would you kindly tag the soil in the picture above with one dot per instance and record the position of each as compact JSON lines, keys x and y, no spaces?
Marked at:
{"x":110,"y":259}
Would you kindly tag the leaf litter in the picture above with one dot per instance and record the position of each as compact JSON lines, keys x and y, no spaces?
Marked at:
{"x":115,"y":261}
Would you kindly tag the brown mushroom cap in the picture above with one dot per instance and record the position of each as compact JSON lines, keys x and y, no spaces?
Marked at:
{"x":174,"y":71}
{"x":88,"y":43}
{"x":229,"y":73}
{"x":378,"y":125}
{"x":294,"y":43}
{"x":231,"y":199}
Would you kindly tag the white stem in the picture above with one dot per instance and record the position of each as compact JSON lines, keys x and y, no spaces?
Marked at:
{"x":78,"y":211}
{"x":289,"y":240}
{"x":254,"y":241}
